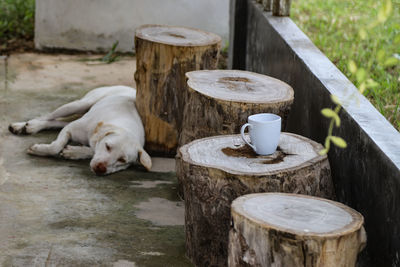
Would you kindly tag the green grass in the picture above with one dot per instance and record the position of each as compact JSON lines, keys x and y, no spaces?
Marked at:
{"x":333,"y":25}
{"x":16,"y":22}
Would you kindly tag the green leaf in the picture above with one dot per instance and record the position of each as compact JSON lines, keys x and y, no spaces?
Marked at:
{"x":329,"y":113}
{"x":338,"y":141}
{"x":363,"y":34}
{"x":390,"y":62}
{"x":352,"y":66}
{"x":397,"y":39}
{"x":335,"y":100}
{"x":362,"y":87}
{"x":373,"y":24}
{"x":381,"y":15}
{"x":388,"y":7}
{"x":111,"y":56}
{"x":372,"y":84}
{"x":361,"y":75}
{"x":380,"y":56}
{"x":323,"y":152}
{"x":385,"y":11}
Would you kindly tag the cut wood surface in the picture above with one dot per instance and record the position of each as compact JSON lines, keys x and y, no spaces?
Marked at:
{"x":272,"y":229}
{"x":176,"y":36}
{"x":214,"y":171}
{"x":219,"y":101}
{"x":163,"y":55}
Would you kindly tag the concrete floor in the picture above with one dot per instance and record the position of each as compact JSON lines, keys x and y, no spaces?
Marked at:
{"x":56,"y":212}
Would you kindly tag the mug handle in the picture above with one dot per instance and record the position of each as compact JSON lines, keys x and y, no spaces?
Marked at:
{"x":242,"y":134}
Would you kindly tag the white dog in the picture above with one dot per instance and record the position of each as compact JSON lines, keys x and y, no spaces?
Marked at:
{"x":110,"y":131}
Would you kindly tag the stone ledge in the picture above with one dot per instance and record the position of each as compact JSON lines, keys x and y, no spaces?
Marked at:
{"x":367,"y":173}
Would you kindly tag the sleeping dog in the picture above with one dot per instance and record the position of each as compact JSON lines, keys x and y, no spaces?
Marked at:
{"x":110,"y":131}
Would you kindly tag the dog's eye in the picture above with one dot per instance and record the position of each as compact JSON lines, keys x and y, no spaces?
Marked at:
{"x":122,"y":160}
{"x":108,"y":147}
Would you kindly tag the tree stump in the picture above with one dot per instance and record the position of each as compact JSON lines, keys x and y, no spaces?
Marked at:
{"x":281,"y":7}
{"x":163,"y":55}
{"x":219,"y":101}
{"x":216,"y":170}
{"x":267,"y":4}
{"x":272,"y":229}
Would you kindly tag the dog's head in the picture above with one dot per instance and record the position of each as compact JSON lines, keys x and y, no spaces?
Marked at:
{"x":115,"y":152}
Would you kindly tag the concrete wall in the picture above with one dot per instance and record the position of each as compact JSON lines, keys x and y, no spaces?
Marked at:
{"x":97,"y":24}
{"x":367,"y":173}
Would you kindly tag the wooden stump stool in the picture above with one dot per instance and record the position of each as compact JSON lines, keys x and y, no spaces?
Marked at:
{"x":281,"y":7}
{"x":219,"y":101}
{"x":216,"y":170}
{"x":163,"y":55}
{"x":272,"y":229}
{"x":267,"y":4}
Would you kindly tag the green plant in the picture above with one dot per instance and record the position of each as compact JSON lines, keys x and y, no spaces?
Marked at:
{"x":112,"y":55}
{"x":16,"y":19}
{"x":108,"y":58}
{"x":362,"y":75}
{"x":225,"y":49}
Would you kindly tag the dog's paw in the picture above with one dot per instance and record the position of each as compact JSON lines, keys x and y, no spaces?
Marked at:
{"x":30,"y":127}
{"x":38,"y":150}
{"x":76,"y":152}
{"x":18,"y":128}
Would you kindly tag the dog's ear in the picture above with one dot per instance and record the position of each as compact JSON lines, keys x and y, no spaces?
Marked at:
{"x":144,"y":159}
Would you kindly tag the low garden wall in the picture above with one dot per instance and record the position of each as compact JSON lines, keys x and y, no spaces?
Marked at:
{"x":96,"y":24}
{"x":367,"y":173}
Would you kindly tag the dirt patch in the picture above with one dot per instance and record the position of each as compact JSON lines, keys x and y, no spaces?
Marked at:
{"x":275,"y":160}
{"x":177,"y":35}
{"x":247,"y":152}
{"x":16,"y":46}
{"x":237,"y":83}
{"x":243,"y":151}
{"x":234,"y":79}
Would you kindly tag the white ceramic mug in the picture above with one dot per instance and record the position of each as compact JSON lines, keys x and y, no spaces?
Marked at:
{"x":264,"y":129}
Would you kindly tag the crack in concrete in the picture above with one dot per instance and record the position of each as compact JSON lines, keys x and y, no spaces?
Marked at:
{"x":47,"y":263}
{"x":6,"y":73}
{"x":4,"y":175}
{"x":4,"y":58}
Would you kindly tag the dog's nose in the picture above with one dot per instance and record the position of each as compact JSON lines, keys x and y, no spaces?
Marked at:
{"x":100,"y":168}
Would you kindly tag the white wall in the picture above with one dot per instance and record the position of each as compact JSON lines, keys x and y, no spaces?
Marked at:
{"x":97,"y":24}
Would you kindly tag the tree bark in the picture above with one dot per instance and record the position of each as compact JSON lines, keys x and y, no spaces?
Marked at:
{"x":272,"y":229}
{"x":267,"y":5}
{"x":163,"y":55}
{"x":281,"y":7}
{"x":219,"y":101}
{"x":214,"y":171}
